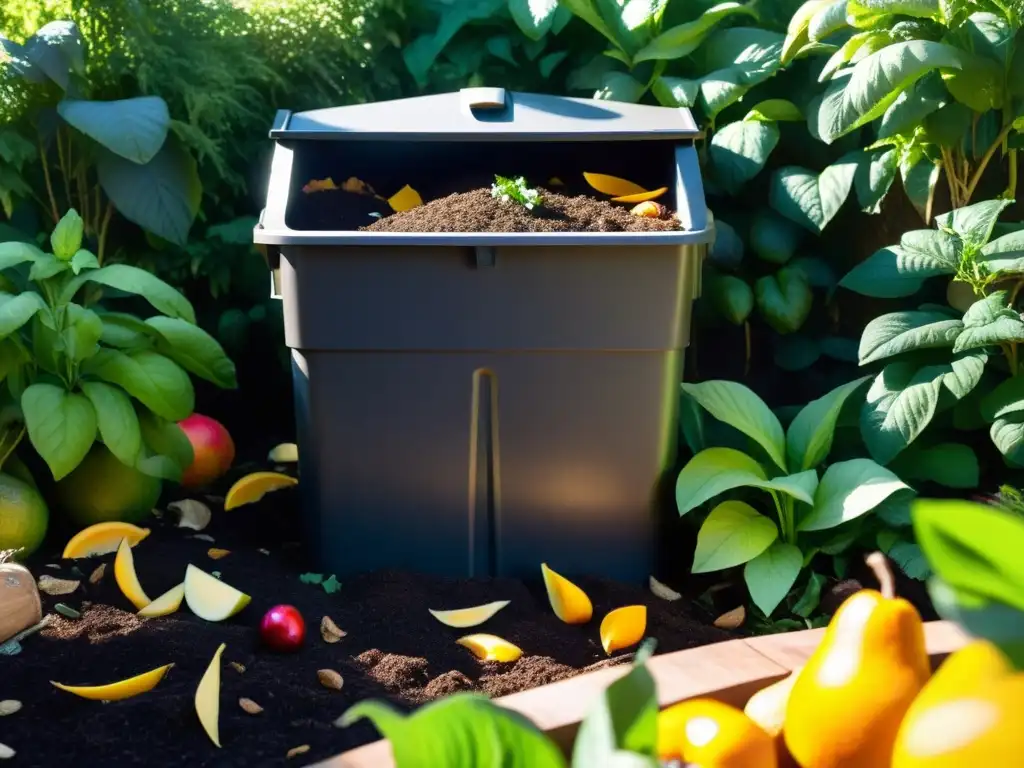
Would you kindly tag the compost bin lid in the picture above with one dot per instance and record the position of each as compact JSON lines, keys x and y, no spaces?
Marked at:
{"x":489,"y":114}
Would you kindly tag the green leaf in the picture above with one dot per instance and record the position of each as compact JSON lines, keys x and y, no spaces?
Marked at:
{"x":1004,"y":254}
{"x":734,"y":533}
{"x":461,"y":729}
{"x":684,"y":39}
{"x":1006,"y":398}
{"x":739,"y":151}
{"x":849,"y":489}
{"x":618,"y":86}
{"x":676,"y":91}
{"x":809,"y":438}
{"x":950,"y":464}
{"x":732,"y":298}
{"x":781,"y":110}
{"x":116,"y":420}
{"x":714,"y":471}
{"x":126,"y":331}
{"x":194,"y":350}
{"x":15,"y":252}
{"x":533,"y":17}
{"x":978,"y":84}
{"x":158,"y":383}
{"x":82,"y":331}
{"x":797,"y":34}
{"x":794,"y":352}
{"x":989,"y":321}
{"x":133,"y":129}
{"x":624,"y":718}
{"x":974,"y":223}
{"x":784,"y":299}
{"x":827,"y":21}
{"x":167,"y":451}
{"x":811,"y":598}
{"x":17,"y":310}
{"x":913,"y":105}
{"x":920,"y":178}
{"x":868,"y":13}
{"x":46,"y":267}
{"x":56,"y":49}
{"x":800,"y":486}
{"x":66,"y":237}
{"x":809,"y":199}
{"x":138,"y":281}
{"x":772,"y":574}
{"x":961,"y":374}
{"x":993,"y":620}
{"x":550,"y":62}
{"x":891,"y":273}
{"x":737,"y":406}
{"x":875,"y":83}
{"x":873,"y":178}
{"x":83,"y":259}
{"x":500,"y":47}
{"x":61,"y":426}
{"x":774,"y":238}
{"x":973,"y":547}
{"x":819,"y":273}
{"x":1007,"y":433}
{"x":899,"y":332}
{"x":900,"y":404}
{"x":158,"y":196}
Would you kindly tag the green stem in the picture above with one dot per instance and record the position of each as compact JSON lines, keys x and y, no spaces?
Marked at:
{"x":1011,"y":186}
{"x":49,"y":181}
{"x":983,"y":164}
{"x":8,"y":445}
{"x":103,"y":233}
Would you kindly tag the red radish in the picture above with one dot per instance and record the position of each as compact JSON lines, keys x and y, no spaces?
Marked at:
{"x":282,"y":629}
{"x":213,"y":448}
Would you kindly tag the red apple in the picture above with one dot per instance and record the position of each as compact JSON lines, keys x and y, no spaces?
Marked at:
{"x":213,"y":448}
{"x":282,"y":628}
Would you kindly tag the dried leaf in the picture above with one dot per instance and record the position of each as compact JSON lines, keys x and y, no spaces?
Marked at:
{"x":329,"y":631}
{"x":239,"y":668}
{"x":332,"y":585}
{"x":95,"y":576}
{"x":216,"y":554}
{"x":299,"y":750}
{"x":360,"y":187}
{"x":319,"y":185}
{"x":6,"y":753}
{"x":733,"y":619}
{"x":52,"y":586}
{"x":203,"y":537}
{"x":330,"y":679}
{"x":191,"y":514}
{"x":67,"y":610}
{"x":9,"y":707}
{"x":250,"y":706}
{"x":263,"y":551}
{"x":664,"y":592}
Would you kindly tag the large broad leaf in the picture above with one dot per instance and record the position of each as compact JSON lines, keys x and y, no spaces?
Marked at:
{"x":714,"y":471}
{"x":167,"y":451}
{"x":848,"y":490}
{"x":82,"y":332}
{"x":797,"y":34}
{"x":739,"y":151}
{"x":932,"y":249}
{"x":868,"y":13}
{"x":913,"y":105}
{"x":732,"y":298}
{"x":827,"y":21}
{"x":194,"y":350}
{"x":892,"y":273}
{"x":734,"y":533}
{"x":1006,"y":398}
{"x":993,"y":620}
{"x":1007,"y":433}
{"x":618,"y":86}
{"x":875,"y":174}
{"x":876,"y":82}
{"x":899,"y":332}
{"x":1004,"y":254}
{"x":623,"y":719}
{"x":676,"y":91}
{"x":533,"y":17}
{"x":16,"y":310}
{"x":973,"y":547}
{"x":132,"y":129}
{"x":683,"y":39}
{"x":989,"y":321}
{"x":422,"y":53}
{"x":950,"y":464}
{"x":152,"y":379}
{"x":56,"y":49}
{"x":61,"y":426}
{"x":14,"y":253}
{"x":809,"y":438}
{"x":973,"y":223}
{"x":130,"y":279}
{"x":771,"y":575}
{"x":784,"y":299}
{"x":920,"y":177}
{"x":160,"y":196}
{"x":900,"y":404}
{"x":462,"y":729}
{"x":810,"y":199}
{"x":115,"y":417}
{"x":739,"y":407}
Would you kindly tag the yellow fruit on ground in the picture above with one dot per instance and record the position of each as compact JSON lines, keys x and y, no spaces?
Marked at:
{"x":101,"y":489}
{"x":623,"y":627}
{"x":126,"y":578}
{"x":210,"y":598}
{"x":613,"y":185}
{"x":491,"y":647}
{"x":207,"y":700}
{"x":166,"y":604}
{"x":711,"y":734}
{"x":103,"y":538}
{"x":255,"y":486}
{"x":24,"y":517}
{"x":569,"y":602}
{"x":122,"y":689}
{"x":468,"y":617}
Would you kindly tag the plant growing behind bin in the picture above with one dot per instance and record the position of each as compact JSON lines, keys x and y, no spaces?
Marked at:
{"x":814,"y":506}
{"x":78,"y":374}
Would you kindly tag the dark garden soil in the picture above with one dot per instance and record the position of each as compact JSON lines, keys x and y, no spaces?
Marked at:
{"x":393,"y":649}
{"x":478,"y":211}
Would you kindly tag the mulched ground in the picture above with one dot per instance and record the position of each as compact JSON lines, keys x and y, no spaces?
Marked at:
{"x":394,"y":650}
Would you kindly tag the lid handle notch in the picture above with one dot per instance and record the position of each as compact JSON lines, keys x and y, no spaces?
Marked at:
{"x":490,"y":101}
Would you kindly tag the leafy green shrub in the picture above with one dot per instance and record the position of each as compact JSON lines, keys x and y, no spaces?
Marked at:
{"x":79,"y":374}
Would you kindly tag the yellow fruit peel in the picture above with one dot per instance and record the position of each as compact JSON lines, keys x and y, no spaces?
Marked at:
{"x":468,"y":617}
{"x":613,"y":185}
{"x":641,"y":197}
{"x":255,"y":486}
{"x":208,"y":698}
{"x":285,"y":453}
{"x":166,"y":604}
{"x":491,"y":647}
{"x":405,"y":199}
{"x":126,"y":578}
{"x":122,"y":689}
{"x":569,"y":602}
{"x":623,"y":627}
{"x":102,"y":539}
{"x":210,"y":598}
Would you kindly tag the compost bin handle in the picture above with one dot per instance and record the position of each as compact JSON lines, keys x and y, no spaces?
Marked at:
{"x":483,"y":99}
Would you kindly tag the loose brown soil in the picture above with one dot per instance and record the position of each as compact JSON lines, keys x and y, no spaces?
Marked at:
{"x":478,"y":211}
{"x":393,"y":650}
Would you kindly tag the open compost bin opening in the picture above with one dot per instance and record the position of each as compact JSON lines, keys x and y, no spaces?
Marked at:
{"x":338,"y":186}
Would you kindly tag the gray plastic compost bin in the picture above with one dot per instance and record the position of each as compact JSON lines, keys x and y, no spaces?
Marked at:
{"x":476,"y":404}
